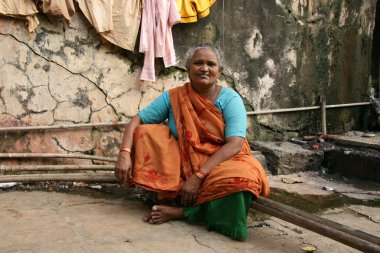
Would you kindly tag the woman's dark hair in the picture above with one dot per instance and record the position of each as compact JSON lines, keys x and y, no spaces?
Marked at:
{"x":194,"y":50}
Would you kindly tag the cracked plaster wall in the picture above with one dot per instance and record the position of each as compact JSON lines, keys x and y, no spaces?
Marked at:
{"x":65,"y":75}
{"x":279,"y":54}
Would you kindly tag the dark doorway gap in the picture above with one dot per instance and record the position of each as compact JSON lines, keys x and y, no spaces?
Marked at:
{"x":375,"y":68}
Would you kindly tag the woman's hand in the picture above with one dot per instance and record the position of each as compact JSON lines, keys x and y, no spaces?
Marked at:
{"x":189,"y":190}
{"x":123,"y":167}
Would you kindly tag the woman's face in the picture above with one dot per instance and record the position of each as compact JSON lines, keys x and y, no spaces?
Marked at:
{"x":204,"y":69}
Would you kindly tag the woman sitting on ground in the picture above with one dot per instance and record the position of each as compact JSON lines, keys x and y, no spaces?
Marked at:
{"x":202,"y":158}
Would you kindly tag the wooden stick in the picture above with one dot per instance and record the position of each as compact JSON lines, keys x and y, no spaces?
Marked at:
{"x":89,"y":177}
{"x":320,"y":220}
{"x":57,"y":127}
{"x":37,"y":167}
{"x":323,"y":229}
{"x":54,"y":155}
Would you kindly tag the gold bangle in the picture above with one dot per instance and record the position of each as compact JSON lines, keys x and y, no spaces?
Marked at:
{"x":200,"y":176}
{"x":203,"y":173}
{"x":125,"y":149}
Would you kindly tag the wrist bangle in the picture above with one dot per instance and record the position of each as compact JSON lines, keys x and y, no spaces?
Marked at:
{"x":202,"y":173}
{"x":200,"y":176}
{"x":125,"y":149}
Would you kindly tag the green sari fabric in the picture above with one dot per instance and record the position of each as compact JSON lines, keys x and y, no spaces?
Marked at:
{"x":226,"y":215}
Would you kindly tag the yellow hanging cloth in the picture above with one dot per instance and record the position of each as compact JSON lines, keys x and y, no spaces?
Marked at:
{"x":192,"y":10}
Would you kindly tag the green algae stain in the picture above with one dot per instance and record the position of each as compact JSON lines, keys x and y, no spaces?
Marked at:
{"x":316,"y":203}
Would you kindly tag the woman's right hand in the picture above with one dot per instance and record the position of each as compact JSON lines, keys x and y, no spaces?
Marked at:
{"x":189,"y":190}
{"x":123,"y":167}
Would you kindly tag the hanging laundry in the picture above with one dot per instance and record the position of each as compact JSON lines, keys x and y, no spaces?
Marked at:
{"x":117,"y":21}
{"x":57,"y":8}
{"x":156,"y":39}
{"x":25,"y":10}
{"x":98,"y":13}
{"x":126,"y":18}
{"x":192,"y":10}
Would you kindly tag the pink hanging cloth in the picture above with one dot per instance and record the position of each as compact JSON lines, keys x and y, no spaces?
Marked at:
{"x":156,"y":39}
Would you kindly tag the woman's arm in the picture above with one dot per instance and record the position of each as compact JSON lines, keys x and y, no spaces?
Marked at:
{"x":190,"y":189}
{"x":231,"y":148}
{"x":155,"y":113}
{"x":123,"y":167}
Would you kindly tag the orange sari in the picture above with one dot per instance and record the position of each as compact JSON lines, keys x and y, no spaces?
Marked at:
{"x":163,"y":164}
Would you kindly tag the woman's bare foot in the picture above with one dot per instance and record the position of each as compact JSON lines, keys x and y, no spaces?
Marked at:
{"x":161,"y":214}
{"x":147,"y":217}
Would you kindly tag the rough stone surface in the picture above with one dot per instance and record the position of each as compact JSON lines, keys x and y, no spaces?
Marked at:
{"x":261,"y":158}
{"x":316,"y":183}
{"x":286,"y":158}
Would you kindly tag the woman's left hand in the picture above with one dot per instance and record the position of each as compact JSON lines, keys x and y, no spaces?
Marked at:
{"x":189,"y":190}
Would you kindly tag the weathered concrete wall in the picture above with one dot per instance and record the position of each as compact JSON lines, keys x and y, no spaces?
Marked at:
{"x":64,"y":75}
{"x":279,"y":54}
{"x":284,"y":54}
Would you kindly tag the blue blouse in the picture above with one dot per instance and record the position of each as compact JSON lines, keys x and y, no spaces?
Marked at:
{"x":228,"y":102}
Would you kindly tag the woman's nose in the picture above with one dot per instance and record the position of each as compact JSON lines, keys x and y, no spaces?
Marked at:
{"x":204,"y":67}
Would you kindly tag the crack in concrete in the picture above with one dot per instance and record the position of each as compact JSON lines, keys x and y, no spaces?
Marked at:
{"x":283,"y":232}
{"x":68,"y":70}
{"x":364,"y":215}
{"x":2,"y":99}
{"x":56,"y":101}
{"x":59,"y":144}
{"x":259,"y":225}
{"x":141,"y":98}
{"x":202,"y":244}
{"x":88,"y":203}
{"x":71,"y":151}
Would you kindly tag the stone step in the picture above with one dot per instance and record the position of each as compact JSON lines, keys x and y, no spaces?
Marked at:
{"x":286,"y":158}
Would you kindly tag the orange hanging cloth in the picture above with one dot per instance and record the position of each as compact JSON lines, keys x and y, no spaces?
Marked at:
{"x":162,"y":164}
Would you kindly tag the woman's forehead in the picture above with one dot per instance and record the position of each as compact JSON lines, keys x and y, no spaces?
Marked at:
{"x":205,"y":52}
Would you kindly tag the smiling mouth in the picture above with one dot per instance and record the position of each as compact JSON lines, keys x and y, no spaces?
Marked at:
{"x":204,"y":75}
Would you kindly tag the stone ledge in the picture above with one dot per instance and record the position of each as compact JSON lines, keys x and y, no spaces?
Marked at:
{"x":286,"y":158}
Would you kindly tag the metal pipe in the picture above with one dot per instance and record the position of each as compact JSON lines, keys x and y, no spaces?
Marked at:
{"x":71,"y":126}
{"x":323,"y":115}
{"x":297,"y":109}
{"x":53,"y":155}
{"x":112,"y":124}
{"x":88,"y":177}
{"x":17,"y":168}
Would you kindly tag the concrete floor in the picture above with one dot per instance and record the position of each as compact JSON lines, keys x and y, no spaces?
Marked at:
{"x":92,"y":221}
